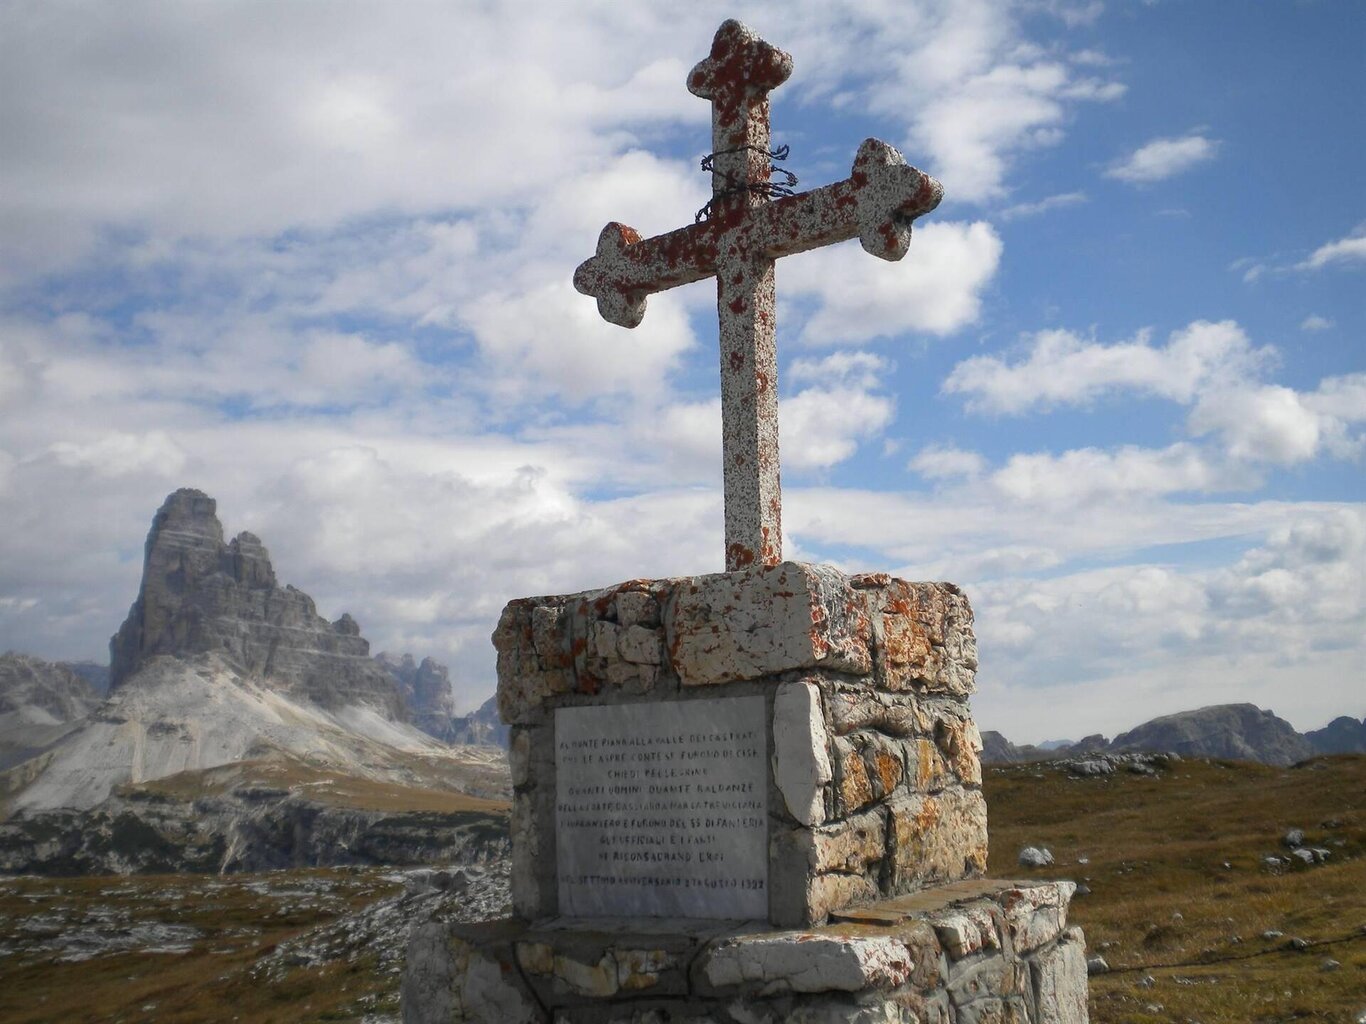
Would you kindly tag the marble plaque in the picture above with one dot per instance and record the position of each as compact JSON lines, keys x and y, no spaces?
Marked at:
{"x":661,"y":809}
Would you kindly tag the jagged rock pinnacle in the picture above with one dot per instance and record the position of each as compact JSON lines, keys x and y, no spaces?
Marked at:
{"x":201,"y":596}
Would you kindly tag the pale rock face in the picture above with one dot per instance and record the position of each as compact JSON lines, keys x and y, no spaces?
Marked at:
{"x":802,"y":962}
{"x":801,"y":766}
{"x":1060,"y":981}
{"x":202,"y":596}
{"x":487,"y":994}
{"x":40,"y":702}
{"x":733,"y":626}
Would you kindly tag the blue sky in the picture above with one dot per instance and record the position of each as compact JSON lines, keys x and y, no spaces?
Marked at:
{"x":315,"y":260}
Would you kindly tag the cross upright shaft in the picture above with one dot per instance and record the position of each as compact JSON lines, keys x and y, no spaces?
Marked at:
{"x":738,"y":244}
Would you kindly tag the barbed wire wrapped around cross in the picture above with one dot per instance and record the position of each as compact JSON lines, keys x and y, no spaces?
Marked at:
{"x":768,"y":189}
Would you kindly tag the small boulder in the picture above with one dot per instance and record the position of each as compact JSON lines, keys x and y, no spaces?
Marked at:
{"x":1035,"y":857}
{"x":1097,"y":965}
{"x":1293,"y":838}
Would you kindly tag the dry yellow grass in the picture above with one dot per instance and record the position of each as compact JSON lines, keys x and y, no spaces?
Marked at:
{"x":1180,"y":893}
{"x":322,"y":785}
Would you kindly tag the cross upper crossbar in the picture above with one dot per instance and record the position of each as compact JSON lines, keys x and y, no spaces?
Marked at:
{"x":743,"y":236}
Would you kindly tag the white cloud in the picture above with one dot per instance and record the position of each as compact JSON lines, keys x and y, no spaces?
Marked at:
{"x":1087,"y":475}
{"x":1349,"y":251}
{"x":1062,"y":368}
{"x":936,"y":289}
{"x":823,"y":423}
{"x":1048,"y":203}
{"x":1266,"y":424}
{"x":1343,"y":398}
{"x":1163,"y":158}
{"x":945,"y":462}
{"x":120,"y":454}
{"x":977,"y":97}
{"x":1314,"y":322}
{"x":1279,"y":425}
{"x":551,"y":340}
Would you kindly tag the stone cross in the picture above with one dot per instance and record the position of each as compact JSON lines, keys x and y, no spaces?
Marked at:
{"x":738,"y":243}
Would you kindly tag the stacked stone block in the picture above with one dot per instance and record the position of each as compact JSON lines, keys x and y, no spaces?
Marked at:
{"x":875,"y":782}
{"x":970,"y":952}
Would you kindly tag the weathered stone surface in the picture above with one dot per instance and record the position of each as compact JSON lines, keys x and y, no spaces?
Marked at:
{"x":884,"y":761}
{"x":831,"y":1011}
{"x":925,"y":637}
{"x":801,"y":766}
{"x":984,"y":975}
{"x":533,"y":853}
{"x":882,"y":962}
{"x":1059,"y":974}
{"x":936,"y":838}
{"x":853,"y":788}
{"x":745,"y":625}
{"x":521,"y":749}
{"x":777,"y":962}
{"x":849,"y":845}
{"x":532,"y":666}
{"x":990,"y":1010}
{"x":202,"y":596}
{"x":1036,"y":914}
{"x":428,"y":977}
{"x":835,"y":891}
{"x":641,"y":645}
{"x":637,"y":608}
{"x":969,"y":928}
{"x":487,"y":988}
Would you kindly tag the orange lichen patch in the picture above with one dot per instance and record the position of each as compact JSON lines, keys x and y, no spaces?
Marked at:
{"x":856,"y":790}
{"x":928,"y":765}
{"x":886,"y":770}
{"x":738,"y":556}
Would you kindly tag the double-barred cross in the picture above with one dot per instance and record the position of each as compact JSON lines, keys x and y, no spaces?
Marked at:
{"x":743,"y":235}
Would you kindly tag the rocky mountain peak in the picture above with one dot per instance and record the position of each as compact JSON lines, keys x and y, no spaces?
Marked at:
{"x":201,"y":596}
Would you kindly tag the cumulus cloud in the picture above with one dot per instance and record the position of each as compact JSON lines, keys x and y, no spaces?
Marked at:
{"x":1045,"y":205}
{"x":1345,"y":252}
{"x":945,"y":462}
{"x":823,"y":423}
{"x":1163,"y":158}
{"x":1280,"y":425}
{"x":1087,"y":474}
{"x":1314,"y":322}
{"x":936,"y":289}
{"x":1062,"y":368}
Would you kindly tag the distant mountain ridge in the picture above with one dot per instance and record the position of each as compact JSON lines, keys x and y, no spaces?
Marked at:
{"x":426,"y":689}
{"x":39,"y":704}
{"x":1235,"y":731}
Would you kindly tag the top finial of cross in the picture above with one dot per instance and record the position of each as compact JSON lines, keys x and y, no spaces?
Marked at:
{"x":741,"y":67}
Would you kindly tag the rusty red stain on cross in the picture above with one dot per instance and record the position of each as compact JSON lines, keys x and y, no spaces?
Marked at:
{"x":738,"y":244}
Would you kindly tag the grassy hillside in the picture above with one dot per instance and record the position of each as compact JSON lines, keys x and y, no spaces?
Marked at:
{"x":1181,"y":895}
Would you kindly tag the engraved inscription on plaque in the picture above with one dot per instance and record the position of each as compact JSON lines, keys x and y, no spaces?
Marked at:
{"x":661,"y":809}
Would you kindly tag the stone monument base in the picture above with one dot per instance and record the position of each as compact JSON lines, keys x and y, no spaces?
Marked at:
{"x":976,"y":951}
